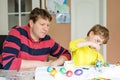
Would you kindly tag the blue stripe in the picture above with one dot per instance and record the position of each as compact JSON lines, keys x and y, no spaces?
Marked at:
{"x":60,"y":52}
{"x":11,"y":50}
{"x":13,"y":39}
{"x":7,"y":66}
{"x":54,"y":48}
{"x":42,"y":51}
{"x":23,"y":32}
{"x":47,"y":37}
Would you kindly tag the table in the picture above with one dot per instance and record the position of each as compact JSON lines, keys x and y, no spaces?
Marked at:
{"x":40,"y":73}
{"x":110,"y":73}
{"x":17,"y":75}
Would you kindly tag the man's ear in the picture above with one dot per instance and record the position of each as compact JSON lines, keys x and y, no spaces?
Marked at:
{"x":30,"y":23}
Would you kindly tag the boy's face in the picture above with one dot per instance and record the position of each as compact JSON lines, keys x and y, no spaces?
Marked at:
{"x":96,"y":38}
{"x":39,"y":29}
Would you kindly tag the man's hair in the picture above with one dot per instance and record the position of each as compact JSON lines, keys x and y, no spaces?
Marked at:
{"x":39,"y":13}
{"x":101,"y":31}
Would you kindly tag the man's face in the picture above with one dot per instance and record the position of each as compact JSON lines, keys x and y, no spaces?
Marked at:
{"x":39,"y":29}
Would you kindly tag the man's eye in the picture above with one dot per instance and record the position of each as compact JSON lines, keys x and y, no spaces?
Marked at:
{"x":42,"y":24}
{"x":48,"y":25}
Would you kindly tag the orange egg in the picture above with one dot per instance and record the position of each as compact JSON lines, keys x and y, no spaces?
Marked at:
{"x":53,"y":72}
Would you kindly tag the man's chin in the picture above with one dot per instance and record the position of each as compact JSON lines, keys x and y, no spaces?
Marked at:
{"x":42,"y":36}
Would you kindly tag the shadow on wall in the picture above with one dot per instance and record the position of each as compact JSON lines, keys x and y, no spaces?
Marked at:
{"x":2,"y":38}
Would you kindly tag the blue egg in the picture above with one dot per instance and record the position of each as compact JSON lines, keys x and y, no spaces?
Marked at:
{"x":50,"y":68}
{"x":107,"y":64}
{"x":62,"y":70}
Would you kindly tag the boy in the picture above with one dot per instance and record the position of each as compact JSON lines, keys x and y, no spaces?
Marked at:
{"x":85,"y":52}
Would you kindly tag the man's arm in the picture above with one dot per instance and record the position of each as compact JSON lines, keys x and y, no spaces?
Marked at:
{"x":32,"y":64}
{"x":60,"y":61}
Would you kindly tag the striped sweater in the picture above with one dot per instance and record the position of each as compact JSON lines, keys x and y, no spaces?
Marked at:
{"x":19,"y":45}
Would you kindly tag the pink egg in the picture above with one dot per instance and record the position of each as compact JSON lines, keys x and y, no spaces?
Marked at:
{"x":69,"y":73}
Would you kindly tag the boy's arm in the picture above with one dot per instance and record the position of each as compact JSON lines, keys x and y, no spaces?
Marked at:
{"x":73,"y":45}
{"x":89,"y":43}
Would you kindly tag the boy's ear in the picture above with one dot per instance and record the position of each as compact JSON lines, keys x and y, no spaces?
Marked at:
{"x":91,"y":33}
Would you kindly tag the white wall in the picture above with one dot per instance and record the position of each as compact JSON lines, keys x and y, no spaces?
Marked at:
{"x":3,"y":17}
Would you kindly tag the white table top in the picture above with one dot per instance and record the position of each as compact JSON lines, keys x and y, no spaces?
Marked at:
{"x":112,"y":73}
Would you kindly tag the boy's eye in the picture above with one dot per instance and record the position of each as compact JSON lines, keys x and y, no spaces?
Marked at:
{"x":98,"y":41}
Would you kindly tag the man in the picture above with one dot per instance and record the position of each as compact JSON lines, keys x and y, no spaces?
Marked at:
{"x":29,"y":46}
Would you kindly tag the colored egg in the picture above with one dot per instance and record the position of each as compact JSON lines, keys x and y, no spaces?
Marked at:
{"x":78,"y":72}
{"x":62,"y":70}
{"x":69,"y":73}
{"x":53,"y":72}
{"x":50,"y":68}
{"x":107,"y":64}
{"x":58,"y":76}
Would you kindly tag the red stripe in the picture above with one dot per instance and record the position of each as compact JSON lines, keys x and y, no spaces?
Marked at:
{"x":11,"y":44}
{"x":27,"y":56}
{"x":15,"y":33}
{"x":15,"y":64}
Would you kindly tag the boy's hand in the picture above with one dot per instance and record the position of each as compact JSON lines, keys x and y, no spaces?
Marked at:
{"x":95,"y":45}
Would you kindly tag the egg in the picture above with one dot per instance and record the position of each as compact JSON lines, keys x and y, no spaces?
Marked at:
{"x":50,"y":68}
{"x":53,"y":72}
{"x":78,"y":72}
{"x":58,"y":76}
{"x":69,"y":73}
{"x":62,"y":70}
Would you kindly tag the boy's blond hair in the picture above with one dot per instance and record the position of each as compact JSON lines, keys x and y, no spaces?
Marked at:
{"x":100,"y":30}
